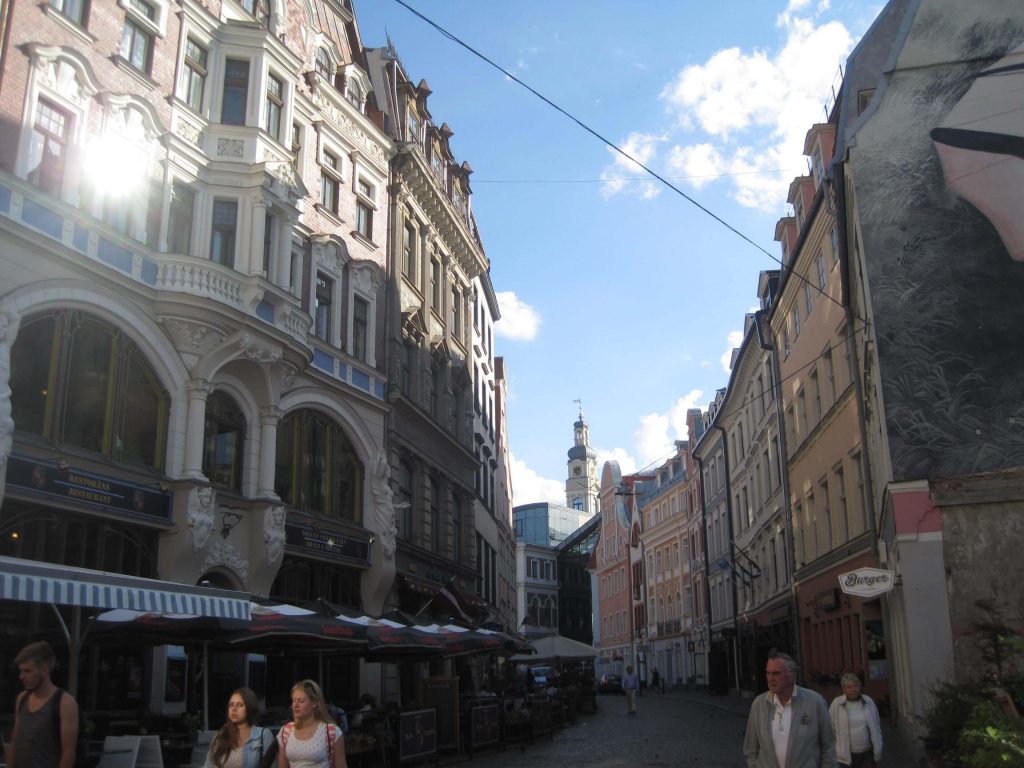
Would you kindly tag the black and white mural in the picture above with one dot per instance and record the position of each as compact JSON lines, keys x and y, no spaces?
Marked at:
{"x":938,"y":172}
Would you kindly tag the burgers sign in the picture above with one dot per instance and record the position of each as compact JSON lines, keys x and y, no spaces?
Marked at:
{"x":866,"y":582}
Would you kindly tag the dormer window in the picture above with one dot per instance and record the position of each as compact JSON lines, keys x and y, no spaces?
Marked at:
{"x":355,"y":94}
{"x":322,"y":65}
{"x":259,"y":10}
{"x":437,"y":162}
{"x":414,"y":126}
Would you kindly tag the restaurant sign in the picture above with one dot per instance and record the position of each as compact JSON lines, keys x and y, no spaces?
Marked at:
{"x":58,"y":480}
{"x":314,"y":540}
{"x":866,"y":582}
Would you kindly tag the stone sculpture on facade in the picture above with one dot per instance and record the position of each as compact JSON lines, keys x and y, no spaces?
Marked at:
{"x":383,"y":504}
{"x":273,"y":532}
{"x":200,"y":515}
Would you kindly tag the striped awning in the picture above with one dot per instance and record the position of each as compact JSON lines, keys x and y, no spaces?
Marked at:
{"x":36,"y":582}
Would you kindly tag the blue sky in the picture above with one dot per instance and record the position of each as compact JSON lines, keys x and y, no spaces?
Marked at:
{"x":615,"y":289}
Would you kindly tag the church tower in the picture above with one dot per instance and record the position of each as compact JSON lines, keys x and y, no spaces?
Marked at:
{"x":581,"y":484}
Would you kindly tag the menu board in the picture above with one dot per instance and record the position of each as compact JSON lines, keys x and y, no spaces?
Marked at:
{"x":442,"y":693}
{"x":417,"y":734}
{"x":484,"y":725}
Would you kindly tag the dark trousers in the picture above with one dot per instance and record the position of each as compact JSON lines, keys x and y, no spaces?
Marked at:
{"x":862,"y":760}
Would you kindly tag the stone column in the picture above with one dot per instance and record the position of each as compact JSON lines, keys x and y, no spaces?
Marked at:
{"x":269,"y":417}
{"x":195,"y":428}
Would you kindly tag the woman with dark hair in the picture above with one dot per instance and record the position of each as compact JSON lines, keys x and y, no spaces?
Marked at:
{"x":312,"y":739}
{"x":240,"y":743}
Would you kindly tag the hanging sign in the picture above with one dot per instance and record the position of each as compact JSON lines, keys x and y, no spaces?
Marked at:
{"x":866,"y":582}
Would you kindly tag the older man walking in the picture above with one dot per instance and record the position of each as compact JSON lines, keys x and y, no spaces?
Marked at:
{"x":788,"y":726}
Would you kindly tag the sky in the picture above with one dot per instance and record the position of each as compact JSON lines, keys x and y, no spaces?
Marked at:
{"x":615,"y":289}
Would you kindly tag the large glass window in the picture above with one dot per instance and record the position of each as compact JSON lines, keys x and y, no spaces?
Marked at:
{"x":236,"y":92}
{"x":223,"y":442}
{"x":409,"y":252}
{"x":259,"y":10}
{"x":322,"y":313}
{"x":360,"y":325}
{"x":329,"y":182}
{"x":179,"y":224}
{"x":72,"y":9}
{"x":136,"y":39}
{"x":225,"y":226}
{"x":322,"y":65}
{"x":77,"y":381}
{"x":405,"y":498}
{"x":317,"y":469}
{"x":50,"y":136}
{"x":195,"y":74}
{"x":275,"y":102}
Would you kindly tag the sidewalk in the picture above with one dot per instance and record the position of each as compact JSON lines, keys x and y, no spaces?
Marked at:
{"x":896,"y":753}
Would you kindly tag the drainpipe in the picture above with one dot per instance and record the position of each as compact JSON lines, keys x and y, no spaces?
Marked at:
{"x":767,"y":343}
{"x":732,"y":540}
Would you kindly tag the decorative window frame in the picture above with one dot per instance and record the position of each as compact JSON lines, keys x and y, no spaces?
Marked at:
{"x":66,"y":79}
{"x":357,"y":80}
{"x":330,"y":258}
{"x":157,"y":27}
{"x":365,"y":281}
{"x":325,"y":143}
{"x":135,"y":124}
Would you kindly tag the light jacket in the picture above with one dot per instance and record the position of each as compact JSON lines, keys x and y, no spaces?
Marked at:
{"x":841,"y":725}
{"x":259,"y":741}
{"x":811,"y":742}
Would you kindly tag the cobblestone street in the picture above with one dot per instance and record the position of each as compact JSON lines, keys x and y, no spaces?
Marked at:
{"x":688,"y":730}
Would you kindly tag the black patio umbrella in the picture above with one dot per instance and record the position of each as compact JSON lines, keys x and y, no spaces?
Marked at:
{"x":290,"y":627}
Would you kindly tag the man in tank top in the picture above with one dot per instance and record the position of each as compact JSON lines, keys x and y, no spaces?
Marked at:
{"x":41,"y":713}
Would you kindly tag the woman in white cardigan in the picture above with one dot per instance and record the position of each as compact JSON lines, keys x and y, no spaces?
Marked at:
{"x":857,"y":726}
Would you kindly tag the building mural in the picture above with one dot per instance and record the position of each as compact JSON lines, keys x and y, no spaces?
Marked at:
{"x":939,"y":231}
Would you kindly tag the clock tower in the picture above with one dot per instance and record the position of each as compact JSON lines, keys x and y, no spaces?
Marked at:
{"x":581,"y":484}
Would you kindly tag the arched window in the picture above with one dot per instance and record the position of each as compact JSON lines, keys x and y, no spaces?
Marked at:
{"x":323,"y":66}
{"x":223,"y":442}
{"x":78,"y":381}
{"x":317,"y":469}
{"x":577,"y":503}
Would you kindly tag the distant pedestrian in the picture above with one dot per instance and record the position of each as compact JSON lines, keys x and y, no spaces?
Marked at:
{"x":857,"y":726}
{"x":788,"y":726}
{"x":630,"y":684}
{"x":45,"y":731}
{"x":656,"y":680}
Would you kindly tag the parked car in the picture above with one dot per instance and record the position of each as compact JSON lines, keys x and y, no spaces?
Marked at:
{"x":610,"y":684}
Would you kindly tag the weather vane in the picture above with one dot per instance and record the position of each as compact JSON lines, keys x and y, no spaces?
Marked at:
{"x":580,"y":402}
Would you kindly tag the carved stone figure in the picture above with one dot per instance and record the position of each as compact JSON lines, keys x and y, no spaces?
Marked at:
{"x":273,"y":532}
{"x":201,"y":502}
{"x":383,"y":504}
{"x":223,"y":554}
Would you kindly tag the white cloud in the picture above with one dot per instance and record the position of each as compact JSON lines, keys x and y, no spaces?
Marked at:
{"x":746,"y":112}
{"x":519,"y":321}
{"x":733,"y":340}
{"x":642,"y":148}
{"x":655,"y":437}
{"x":627,"y":464}
{"x":529,"y":487}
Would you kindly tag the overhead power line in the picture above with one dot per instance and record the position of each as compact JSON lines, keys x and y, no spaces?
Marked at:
{"x":612,"y":145}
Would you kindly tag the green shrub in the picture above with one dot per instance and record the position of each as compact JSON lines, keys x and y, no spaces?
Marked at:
{"x":990,"y":739}
{"x":949,"y":712}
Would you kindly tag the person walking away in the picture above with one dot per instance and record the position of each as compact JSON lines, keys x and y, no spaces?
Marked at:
{"x":312,"y":739}
{"x":240,"y":743}
{"x":788,"y":726}
{"x":656,"y":680}
{"x":630,"y":684}
{"x":45,"y":731}
{"x":857,"y":726}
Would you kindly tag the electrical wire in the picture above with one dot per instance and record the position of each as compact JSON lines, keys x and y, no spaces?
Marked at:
{"x":610,"y":144}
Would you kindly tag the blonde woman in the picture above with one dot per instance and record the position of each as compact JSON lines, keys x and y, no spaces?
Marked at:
{"x":312,"y":739}
{"x":240,"y":743}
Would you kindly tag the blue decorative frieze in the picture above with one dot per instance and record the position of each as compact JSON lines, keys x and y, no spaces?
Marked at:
{"x":360,"y":379}
{"x":323,"y":361}
{"x":149,"y":271}
{"x":5,"y":200}
{"x":114,"y":255}
{"x":43,"y":219}
{"x":80,"y":238}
